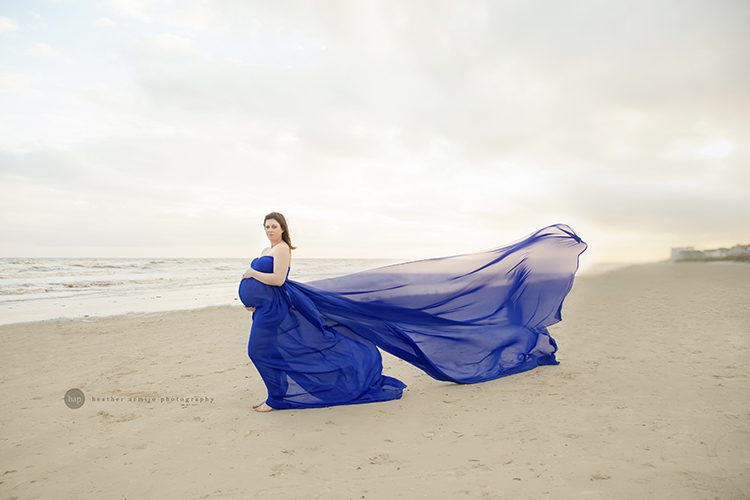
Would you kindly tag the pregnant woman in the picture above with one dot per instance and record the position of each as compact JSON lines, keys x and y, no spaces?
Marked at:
{"x":465,"y":318}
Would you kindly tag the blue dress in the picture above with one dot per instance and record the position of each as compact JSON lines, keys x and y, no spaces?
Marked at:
{"x":465,"y":318}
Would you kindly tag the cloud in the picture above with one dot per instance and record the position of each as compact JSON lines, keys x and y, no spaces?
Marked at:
{"x":386,"y":127}
{"x":707,"y":148}
{"x":168,"y":42}
{"x":486,"y":85}
{"x":103,"y":22}
{"x":16,"y":82}
{"x":42,"y":50}
{"x":197,"y":16}
{"x":7,"y":24}
{"x":139,"y":10}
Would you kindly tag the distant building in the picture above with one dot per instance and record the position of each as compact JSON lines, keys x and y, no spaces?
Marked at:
{"x":719,"y":252}
{"x":739,"y":253}
{"x":739,"y":250}
{"x":678,"y":252}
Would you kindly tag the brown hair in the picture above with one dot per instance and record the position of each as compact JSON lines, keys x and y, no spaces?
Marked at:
{"x":284,"y":227}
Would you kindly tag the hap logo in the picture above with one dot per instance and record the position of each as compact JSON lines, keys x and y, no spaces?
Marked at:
{"x":74,"y":398}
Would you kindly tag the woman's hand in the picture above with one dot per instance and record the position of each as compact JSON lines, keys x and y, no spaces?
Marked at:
{"x":248,"y":273}
{"x":251,"y":309}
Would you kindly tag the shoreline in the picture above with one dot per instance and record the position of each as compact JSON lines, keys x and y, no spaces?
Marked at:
{"x":157,"y":302}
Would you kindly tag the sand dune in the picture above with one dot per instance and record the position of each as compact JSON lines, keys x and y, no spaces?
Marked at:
{"x":650,"y":400}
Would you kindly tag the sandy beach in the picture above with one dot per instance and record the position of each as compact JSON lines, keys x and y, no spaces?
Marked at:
{"x":650,"y":400}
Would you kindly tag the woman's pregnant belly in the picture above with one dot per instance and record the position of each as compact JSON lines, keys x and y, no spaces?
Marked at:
{"x":253,"y":293}
{"x":270,"y":307}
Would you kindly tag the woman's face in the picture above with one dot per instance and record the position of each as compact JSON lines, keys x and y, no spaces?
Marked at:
{"x":273,"y":229}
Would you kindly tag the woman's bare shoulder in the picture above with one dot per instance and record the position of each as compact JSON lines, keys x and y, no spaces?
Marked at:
{"x":273,"y":250}
{"x":284,"y":245}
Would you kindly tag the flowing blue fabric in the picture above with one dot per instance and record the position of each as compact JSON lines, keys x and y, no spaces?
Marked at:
{"x":465,"y":318}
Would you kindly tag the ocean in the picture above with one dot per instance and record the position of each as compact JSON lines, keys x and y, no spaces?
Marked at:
{"x":37,"y":289}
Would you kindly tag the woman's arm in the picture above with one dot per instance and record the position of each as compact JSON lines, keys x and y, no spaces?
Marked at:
{"x":278,"y":276}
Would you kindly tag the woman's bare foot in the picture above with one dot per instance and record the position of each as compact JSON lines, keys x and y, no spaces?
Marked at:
{"x":263,"y":407}
{"x":259,"y":404}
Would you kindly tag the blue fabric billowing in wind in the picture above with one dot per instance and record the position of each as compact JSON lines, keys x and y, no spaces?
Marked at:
{"x":464,"y":318}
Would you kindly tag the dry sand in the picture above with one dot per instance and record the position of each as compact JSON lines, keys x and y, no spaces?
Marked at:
{"x":650,"y":401}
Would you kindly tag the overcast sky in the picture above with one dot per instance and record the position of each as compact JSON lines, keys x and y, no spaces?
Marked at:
{"x":400,"y":129}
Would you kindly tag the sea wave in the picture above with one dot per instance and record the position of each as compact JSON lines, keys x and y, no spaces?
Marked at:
{"x":89,"y":284}
{"x":23,"y":290}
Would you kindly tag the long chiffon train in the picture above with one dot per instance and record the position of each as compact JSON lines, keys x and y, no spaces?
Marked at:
{"x":465,"y":318}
